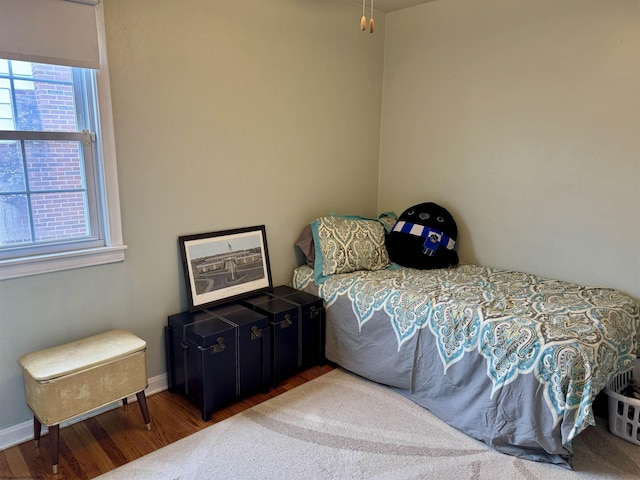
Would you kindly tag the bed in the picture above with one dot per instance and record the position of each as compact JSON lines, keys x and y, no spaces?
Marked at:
{"x":512,"y":359}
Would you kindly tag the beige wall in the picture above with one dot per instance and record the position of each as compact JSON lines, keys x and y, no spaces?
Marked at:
{"x":227,"y":114}
{"x":523,"y":119}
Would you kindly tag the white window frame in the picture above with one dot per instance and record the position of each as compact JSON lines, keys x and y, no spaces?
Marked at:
{"x":114,"y":249}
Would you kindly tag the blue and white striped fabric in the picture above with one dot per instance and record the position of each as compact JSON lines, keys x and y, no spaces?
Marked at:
{"x":433,"y":238}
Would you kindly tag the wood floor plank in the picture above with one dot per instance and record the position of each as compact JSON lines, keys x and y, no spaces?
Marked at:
{"x":83,"y":446}
{"x":103,"y":442}
{"x":17,"y":463}
{"x":38,"y":459}
{"x":4,"y":464}
{"x":129,"y":437}
{"x":114,"y":450}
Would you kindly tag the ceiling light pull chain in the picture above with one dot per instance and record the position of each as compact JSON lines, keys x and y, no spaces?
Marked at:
{"x":363,"y":20}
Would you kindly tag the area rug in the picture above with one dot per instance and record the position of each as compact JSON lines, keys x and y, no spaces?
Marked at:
{"x":340,"y":426}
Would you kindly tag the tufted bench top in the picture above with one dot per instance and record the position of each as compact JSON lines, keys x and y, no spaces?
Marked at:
{"x":51,"y":363}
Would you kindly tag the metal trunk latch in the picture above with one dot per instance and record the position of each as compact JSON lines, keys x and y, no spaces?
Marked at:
{"x":255,"y":333}
{"x":219,"y":347}
{"x":286,"y":321}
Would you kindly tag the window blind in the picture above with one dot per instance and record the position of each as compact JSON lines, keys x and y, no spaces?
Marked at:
{"x":60,"y":32}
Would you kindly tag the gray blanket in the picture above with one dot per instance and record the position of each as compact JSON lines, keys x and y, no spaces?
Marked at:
{"x":511,"y":359}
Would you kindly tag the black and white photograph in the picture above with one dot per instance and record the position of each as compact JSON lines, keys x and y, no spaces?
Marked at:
{"x":222,"y":266}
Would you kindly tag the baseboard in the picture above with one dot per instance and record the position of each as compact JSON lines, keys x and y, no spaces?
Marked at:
{"x":22,"y":432}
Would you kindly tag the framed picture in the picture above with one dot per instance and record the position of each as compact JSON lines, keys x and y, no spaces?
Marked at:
{"x":223,"y":266}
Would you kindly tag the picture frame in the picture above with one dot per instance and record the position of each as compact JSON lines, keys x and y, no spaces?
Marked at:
{"x":223,"y":266}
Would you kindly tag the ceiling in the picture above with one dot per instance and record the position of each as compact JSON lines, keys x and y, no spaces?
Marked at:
{"x":391,"y":5}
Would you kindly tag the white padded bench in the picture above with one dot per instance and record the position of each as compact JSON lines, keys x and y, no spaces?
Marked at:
{"x":69,"y":380}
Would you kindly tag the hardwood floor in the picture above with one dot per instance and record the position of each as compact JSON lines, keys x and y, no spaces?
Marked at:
{"x":101,"y":443}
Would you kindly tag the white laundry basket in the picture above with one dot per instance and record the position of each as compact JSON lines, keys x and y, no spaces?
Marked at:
{"x":624,"y":412}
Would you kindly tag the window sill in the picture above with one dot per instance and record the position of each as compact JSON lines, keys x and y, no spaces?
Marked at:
{"x":23,"y":267}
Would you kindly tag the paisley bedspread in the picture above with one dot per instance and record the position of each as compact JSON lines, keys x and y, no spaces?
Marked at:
{"x":513,"y":359}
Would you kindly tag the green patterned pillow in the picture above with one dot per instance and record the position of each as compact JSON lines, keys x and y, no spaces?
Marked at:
{"x":345,"y":244}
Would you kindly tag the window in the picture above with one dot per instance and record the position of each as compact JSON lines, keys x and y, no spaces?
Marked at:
{"x":58,"y":188}
{"x":48,"y":196}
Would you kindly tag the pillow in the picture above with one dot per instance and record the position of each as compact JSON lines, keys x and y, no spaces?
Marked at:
{"x":388,"y":219}
{"x":306,"y":246}
{"x":345,"y":244}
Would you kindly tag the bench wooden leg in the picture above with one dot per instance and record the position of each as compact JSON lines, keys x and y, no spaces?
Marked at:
{"x":142,"y":400}
{"x":37,"y":429}
{"x":54,"y":442}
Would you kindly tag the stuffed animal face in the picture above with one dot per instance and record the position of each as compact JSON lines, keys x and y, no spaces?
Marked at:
{"x":423,"y":237}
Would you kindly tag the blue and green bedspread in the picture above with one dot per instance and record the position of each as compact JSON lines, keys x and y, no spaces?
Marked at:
{"x":512,"y":359}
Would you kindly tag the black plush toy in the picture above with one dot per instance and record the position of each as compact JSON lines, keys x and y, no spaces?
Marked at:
{"x":423,"y":237}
